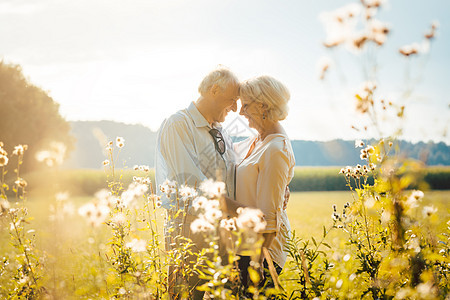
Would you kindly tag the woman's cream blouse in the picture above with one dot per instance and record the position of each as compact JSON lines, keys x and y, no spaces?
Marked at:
{"x":261,"y":180}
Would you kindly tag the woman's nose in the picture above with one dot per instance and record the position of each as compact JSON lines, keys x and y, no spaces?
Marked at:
{"x":241,"y":111}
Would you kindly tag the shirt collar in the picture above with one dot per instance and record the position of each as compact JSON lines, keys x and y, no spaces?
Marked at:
{"x":197,"y":117}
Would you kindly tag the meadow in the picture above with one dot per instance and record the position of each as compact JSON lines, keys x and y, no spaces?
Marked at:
{"x":308,"y":212}
{"x":72,"y":252}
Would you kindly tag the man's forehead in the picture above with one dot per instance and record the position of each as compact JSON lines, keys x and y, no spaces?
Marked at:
{"x":234,"y":88}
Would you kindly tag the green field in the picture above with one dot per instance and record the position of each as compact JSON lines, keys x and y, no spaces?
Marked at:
{"x":83,"y":182}
{"x":308,"y":212}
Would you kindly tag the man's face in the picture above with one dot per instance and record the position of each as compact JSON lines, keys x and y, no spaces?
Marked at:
{"x":226,"y":101}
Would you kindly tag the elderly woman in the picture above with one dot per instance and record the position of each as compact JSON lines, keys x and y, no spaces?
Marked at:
{"x":265,"y":166}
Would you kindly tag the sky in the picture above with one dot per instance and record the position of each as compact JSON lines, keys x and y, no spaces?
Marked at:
{"x":140,"y":61}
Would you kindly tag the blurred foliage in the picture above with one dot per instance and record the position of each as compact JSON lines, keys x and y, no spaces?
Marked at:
{"x":28,"y":115}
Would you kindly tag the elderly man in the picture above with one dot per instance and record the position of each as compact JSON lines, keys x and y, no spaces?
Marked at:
{"x":191,"y":147}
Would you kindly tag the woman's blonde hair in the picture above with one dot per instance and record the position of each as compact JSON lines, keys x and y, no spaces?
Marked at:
{"x":269,"y":91}
{"x":220,"y":76}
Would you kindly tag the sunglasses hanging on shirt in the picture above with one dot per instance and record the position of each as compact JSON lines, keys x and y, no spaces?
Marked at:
{"x":219,"y":142}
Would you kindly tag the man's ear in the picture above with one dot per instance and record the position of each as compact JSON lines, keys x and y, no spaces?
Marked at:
{"x":215,"y":89}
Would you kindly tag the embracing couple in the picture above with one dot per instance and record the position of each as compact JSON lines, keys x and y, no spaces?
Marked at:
{"x":192,"y":147}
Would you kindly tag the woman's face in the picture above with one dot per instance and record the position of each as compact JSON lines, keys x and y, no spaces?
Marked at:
{"x":252,"y":111}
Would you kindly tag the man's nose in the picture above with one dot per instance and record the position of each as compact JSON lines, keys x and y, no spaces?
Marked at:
{"x":234,"y":107}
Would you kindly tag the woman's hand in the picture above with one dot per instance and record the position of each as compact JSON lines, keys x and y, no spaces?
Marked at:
{"x":287,"y":194}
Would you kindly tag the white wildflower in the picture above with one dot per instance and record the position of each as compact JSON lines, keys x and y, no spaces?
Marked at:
{"x":228,"y":224}
{"x":201,"y":225}
{"x":369,"y":203}
{"x":199,"y":203}
{"x":213,"y":214}
{"x":168,"y":187}
{"x":20,"y":182}
{"x":212,"y":189}
{"x":426,"y":290}
{"x":409,"y":50}
{"x":19,"y":150}
{"x":137,"y":245}
{"x":62,"y":196}
{"x":54,"y":155}
{"x":429,"y":210}
{"x":413,"y":199}
{"x":4,"y":206}
{"x":134,"y":191}
{"x":370,"y":150}
{"x":335,"y":216}
{"x":385,"y":217}
{"x":3,"y":160}
{"x":359,"y":143}
{"x":94,"y":213}
{"x":251,"y":218}
{"x":187,"y":192}
{"x":105,"y":197}
{"x":417,"y":195}
{"x":119,"y":219}
{"x":120,"y":141}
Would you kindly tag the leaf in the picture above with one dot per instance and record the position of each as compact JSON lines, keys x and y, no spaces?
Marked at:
{"x":324,"y":231}
{"x":314,"y":241}
{"x":326,"y":245}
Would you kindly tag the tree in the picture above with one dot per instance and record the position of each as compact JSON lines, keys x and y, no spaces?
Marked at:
{"x":28,"y":115}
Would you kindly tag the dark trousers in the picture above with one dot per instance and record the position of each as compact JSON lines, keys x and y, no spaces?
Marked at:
{"x":267,"y":282}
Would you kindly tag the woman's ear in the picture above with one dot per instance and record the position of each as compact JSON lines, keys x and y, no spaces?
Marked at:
{"x":263,"y":106}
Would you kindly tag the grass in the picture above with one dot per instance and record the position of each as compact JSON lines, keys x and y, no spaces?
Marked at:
{"x":308,"y":212}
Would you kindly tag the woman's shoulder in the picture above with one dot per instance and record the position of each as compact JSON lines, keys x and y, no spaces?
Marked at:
{"x":279,"y":144}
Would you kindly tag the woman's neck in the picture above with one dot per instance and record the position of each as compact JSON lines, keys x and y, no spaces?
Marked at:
{"x":270,"y":128}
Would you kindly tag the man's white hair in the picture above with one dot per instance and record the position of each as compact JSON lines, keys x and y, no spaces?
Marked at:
{"x":220,"y":76}
{"x":269,"y":91}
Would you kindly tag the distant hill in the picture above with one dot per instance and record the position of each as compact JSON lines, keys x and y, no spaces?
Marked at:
{"x":140,"y":148}
{"x":92,"y":137}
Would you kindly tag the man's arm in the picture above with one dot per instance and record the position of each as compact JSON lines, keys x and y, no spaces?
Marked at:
{"x":230,"y":206}
{"x":178,"y":152}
